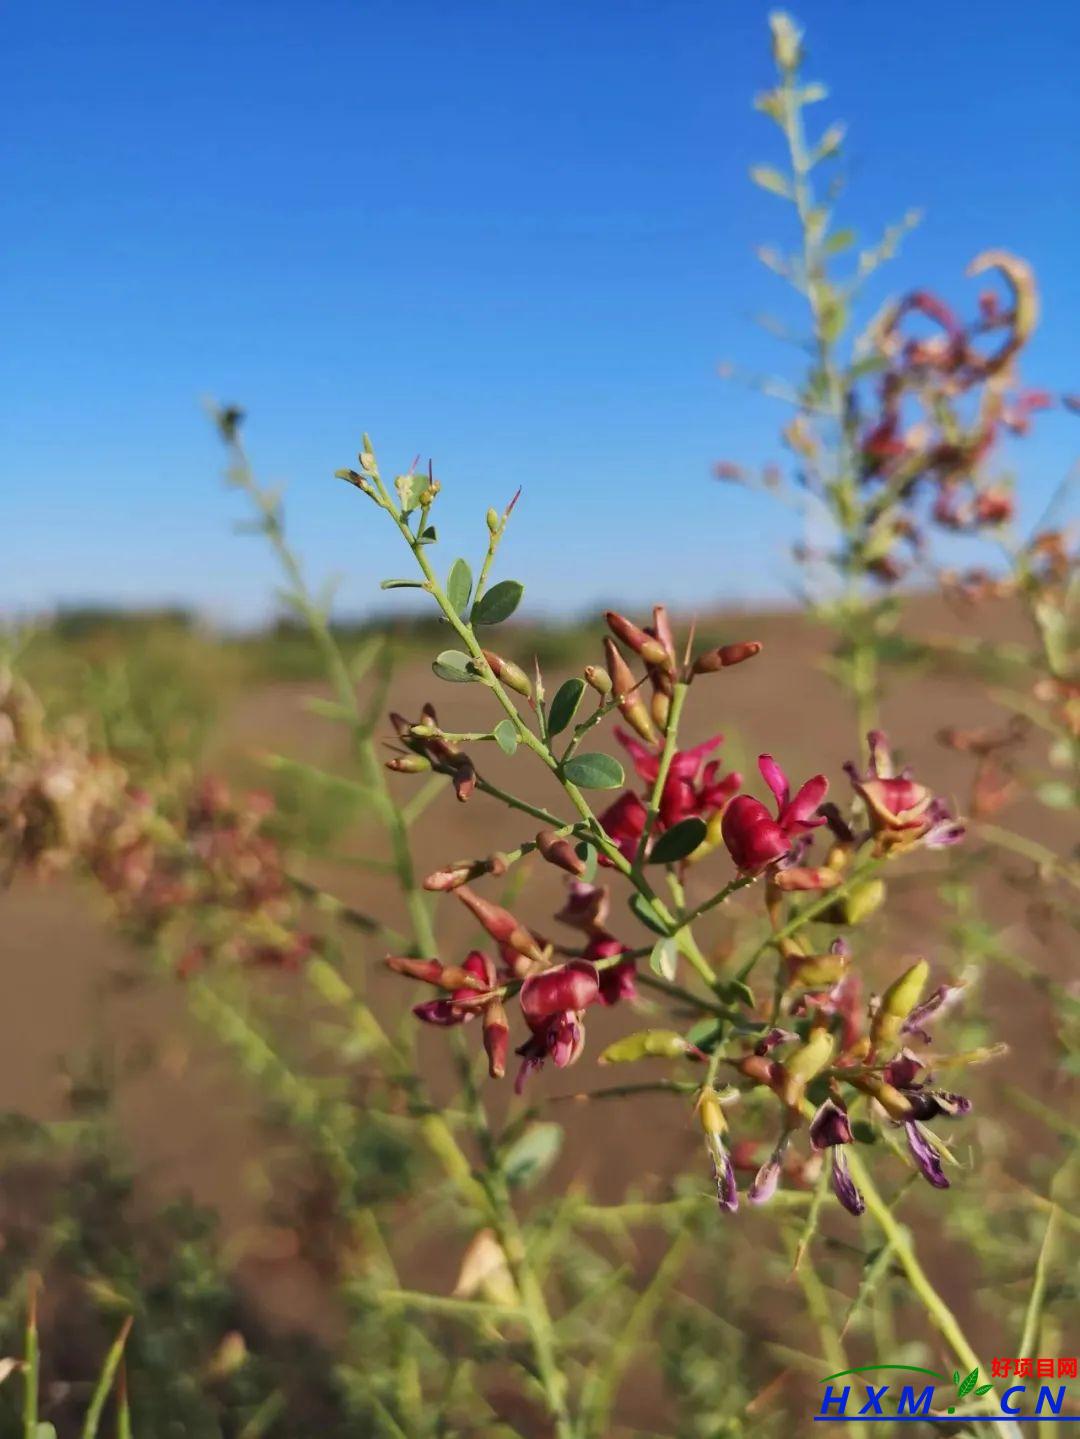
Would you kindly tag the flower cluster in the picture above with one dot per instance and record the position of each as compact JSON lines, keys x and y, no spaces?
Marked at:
{"x":943,"y":403}
{"x":201,"y":873}
{"x":816,"y":1072}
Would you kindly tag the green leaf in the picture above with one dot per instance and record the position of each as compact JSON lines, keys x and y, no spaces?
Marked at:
{"x":705,"y":1033}
{"x":593,"y":771}
{"x":839,"y":241}
{"x":401,"y":585}
{"x":564,"y":705}
{"x":533,"y":1154}
{"x":664,"y":959}
{"x":864,"y":1133}
{"x":643,"y":910}
{"x":459,"y":586}
{"x":410,"y":487}
{"x":498,"y":604}
{"x":968,"y":1385}
{"x":983,"y":1389}
{"x":678,"y":841}
{"x":956,"y":1376}
{"x":506,"y":736}
{"x":428,"y":536}
{"x":771,"y":180}
{"x":587,"y":854}
{"x":454,"y":666}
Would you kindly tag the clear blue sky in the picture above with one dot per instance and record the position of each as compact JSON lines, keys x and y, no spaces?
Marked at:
{"x":516,"y":236}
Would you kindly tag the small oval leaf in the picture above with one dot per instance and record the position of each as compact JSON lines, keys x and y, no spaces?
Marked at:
{"x":588,"y":857}
{"x":593,"y":771}
{"x":459,"y":586}
{"x":678,"y":841}
{"x":564,"y":705}
{"x":643,"y":910}
{"x":506,"y":736}
{"x":664,"y":959}
{"x":455,"y":666}
{"x":534,"y":1153}
{"x":401,"y":585}
{"x":498,"y":604}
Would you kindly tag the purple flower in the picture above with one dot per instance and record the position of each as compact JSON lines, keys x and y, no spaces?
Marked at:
{"x":830,"y":1128}
{"x":926,"y":1155}
{"x":844,"y":1186}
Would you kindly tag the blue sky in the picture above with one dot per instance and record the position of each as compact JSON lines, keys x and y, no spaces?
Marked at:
{"x":516,"y":236}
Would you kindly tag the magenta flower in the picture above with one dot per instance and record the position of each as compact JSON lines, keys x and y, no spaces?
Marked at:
{"x":552,"y":1003}
{"x":902,"y":812}
{"x":753,"y":837}
{"x":694,"y":787}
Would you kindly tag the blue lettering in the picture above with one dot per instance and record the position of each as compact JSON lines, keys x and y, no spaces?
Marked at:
{"x":873,"y":1400}
{"x":1046,"y":1396}
{"x":910,"y":1405}
{"x":829,"y":1398}
{"x":1006,"y":1407}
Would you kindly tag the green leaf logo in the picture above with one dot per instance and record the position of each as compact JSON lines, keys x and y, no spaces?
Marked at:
{"x":968,"y":1385}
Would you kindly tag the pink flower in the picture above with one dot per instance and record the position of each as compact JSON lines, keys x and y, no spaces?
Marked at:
{"x":693,"y":787}
{"x":617,"y":981}
{"x":902,"y":812}
{"x":552,"y":1003}
{"x":753,"y":837}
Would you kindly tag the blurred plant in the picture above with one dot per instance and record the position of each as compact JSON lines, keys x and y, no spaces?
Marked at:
{"x":797,"y":1081}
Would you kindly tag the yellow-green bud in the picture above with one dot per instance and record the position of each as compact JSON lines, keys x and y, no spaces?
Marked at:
{"x":598,"y":678}
{"x":787,"y":40}
{"x":511,"y":675}
{"x":710,"y":1114}
{"x":812,"y":1056}
{"x":492,"y":521}
{"x":897,"y":1002}
{"x":646,"y":1044}
{"x":863,"y":901}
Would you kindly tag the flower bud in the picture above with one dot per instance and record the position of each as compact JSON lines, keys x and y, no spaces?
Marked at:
{"x":496,"y":1036}
{"x":455,"y":875}
{"x":599,"y":679}
{"x":647,"y":1044}
{"x":408,"y":764}
{"x":799,"y":879}
{"x":463,"y":777}
{"x":501,"y":924}
{"x":896,"y":1004}
{"x":816,"y":971}
{"x":558,"y":850}
{"x":858,"y":904}
{"x":787,"y":41}
{"x":623,"y":684}
{"x":725,"y":656}
{"x":805,"y":1064}
{"x":567,"y":987}
{"x":660,"y":706}
{"x":640,"y":641}
{"x":429,"y":970}
{"x":510,"y":674}
{"x":492,"y":518}
{"x":710,"y":1112}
